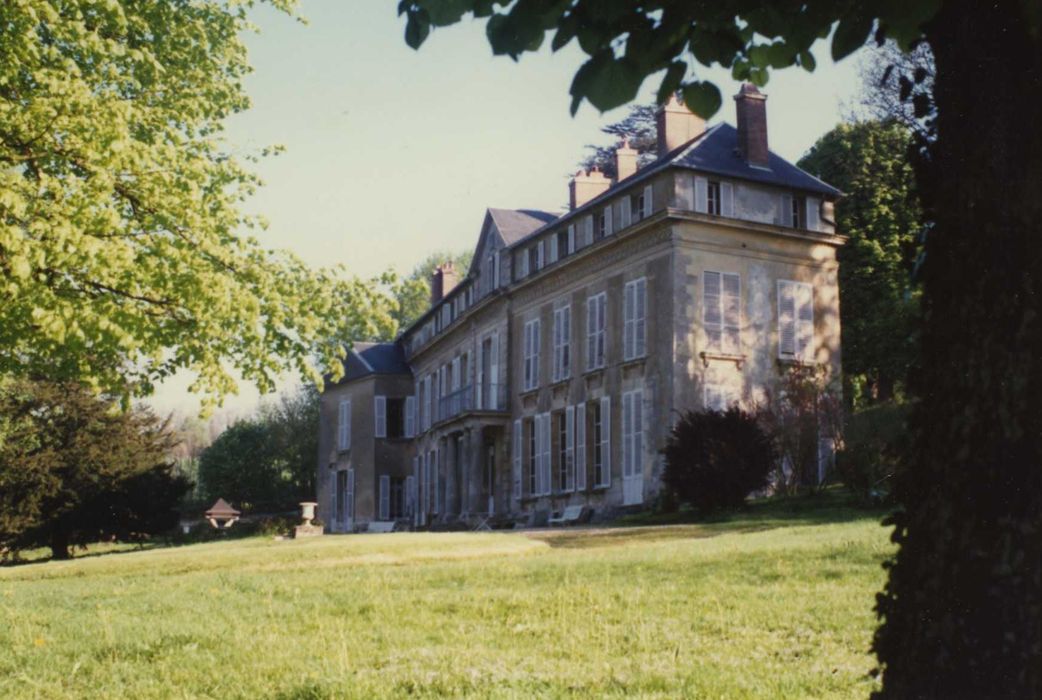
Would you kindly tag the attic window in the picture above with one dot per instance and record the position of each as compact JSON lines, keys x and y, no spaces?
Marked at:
{"x":797,"y":207}
{"x":713,"y":197}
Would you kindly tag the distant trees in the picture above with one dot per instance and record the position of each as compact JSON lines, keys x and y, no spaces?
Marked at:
{"x":714,"y":459}
{"x":413,"y":292}
{"x":880,"y":212}
{"x":638,"y":128}
{"x":75,"y":469}
{"x":267,"y":461}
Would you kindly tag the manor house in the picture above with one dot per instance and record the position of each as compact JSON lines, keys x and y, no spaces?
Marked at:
{"x":548,"y":374}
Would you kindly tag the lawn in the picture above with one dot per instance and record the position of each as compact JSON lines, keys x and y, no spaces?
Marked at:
{"x":776,"y":602}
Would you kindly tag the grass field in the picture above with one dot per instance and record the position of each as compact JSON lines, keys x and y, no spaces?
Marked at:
{"x":774,"y":603}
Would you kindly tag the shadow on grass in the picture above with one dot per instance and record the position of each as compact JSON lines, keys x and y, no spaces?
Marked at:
{"x":832,"y":506}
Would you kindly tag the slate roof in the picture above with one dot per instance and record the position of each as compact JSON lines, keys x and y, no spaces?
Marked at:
{"x":374,"y":358}
{"x":716,"y":151}
{"x":515,"y":224}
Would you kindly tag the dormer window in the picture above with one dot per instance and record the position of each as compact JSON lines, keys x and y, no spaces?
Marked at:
{"x":713,"y":197}
{"x":797,"y":208}
{"x":533,"y":258}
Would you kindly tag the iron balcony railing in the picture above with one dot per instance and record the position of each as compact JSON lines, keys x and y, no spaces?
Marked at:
{"x":490,"y":397}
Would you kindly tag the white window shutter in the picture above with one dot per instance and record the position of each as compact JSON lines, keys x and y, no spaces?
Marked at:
{"x":624,"y":212}
{"x":640,"y":315}
{"x":587,"y":237}
{"x":349,"y":499}
{"x":547,"y":468}
{"x":479,"y":376}
{"x":627,"y":411}
{"x":628,"y":326}
{"x":492,"y":401}
{"x":580,"y":447}
{"x":685,"y":191}
{"x":732,"y":312}
{"x":342,"y":441}
{"x":385,"y":497}
{"x":436,"y":481}
{"x":569,"y":447}
{"x":380,"y":416}
{"x":495,"y":270}
{"x":516,"y":436}
{"x":609,"y":225}
{"x":410,"y":416}
{"x":553,"y":248}
{"x":540,"y":258}
{"x":701,"y":194}
{"x":648,"y":204}
{"x":410,"y":492}
{"x":726,"y":199}
{"x":786,"y":319}
{"x":813,"y":217}
{"x":591,"y":326}
{"x":805,"y":321}
{"x":606,"y":437}
{"x":523,"y":264}
{"x":638,"y":433}
{"x":786,"y":210}
{"x":712,"y":320}
{"x":571,"y":239}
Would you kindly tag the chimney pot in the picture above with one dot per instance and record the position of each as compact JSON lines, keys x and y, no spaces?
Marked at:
{"x":676,"y":125}
{"x":586,"y":186}
{"x":751,"y":114}
{"x":625,"y":160}
{"x":443,"y":280}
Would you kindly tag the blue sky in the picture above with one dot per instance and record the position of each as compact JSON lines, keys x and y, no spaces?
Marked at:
{"x":393,"y":153}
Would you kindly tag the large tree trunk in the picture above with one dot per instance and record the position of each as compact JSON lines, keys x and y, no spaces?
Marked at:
{"x":59,"y":543}
{"x":963,"y":606}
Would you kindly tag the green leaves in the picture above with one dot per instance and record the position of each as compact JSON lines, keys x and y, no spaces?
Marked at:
{"x":702,"y":97}
{"x":606,"y":81}
{"x":850,"y":35}
{"x":123,"y":249}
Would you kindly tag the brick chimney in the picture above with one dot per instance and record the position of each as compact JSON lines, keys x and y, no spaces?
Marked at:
{"x":585,"y":186}
{"x":443,"y":280}
{"x":676,"y":125}
{"x":751,"y":110}
{"x":625,"y":160}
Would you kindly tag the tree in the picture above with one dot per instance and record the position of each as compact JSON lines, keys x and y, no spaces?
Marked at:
{"x":962,"y":609}
{"x":896,"y":85}
{"x":717,"y":458}
{"x":75,"y":469}
{"x":880,"y":212}
{"x":122,"y":254}
{"x":268,"y":460}
{"x":638,"y":129}
{"x":413,"y":293}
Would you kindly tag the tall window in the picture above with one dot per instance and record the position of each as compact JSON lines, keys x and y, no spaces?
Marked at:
{"x":795,"y":320}
{"x":563,"y":249}
{"x":596,"y":321}
{"x":713,"y":197}
{"x":344,"y":425}
{"x":562,"y":343}
{"x":602,"y":442}
{"x":797,"y":206}
{"x":632,"y":433}
{"x":563,"y":455}
{"x":531,"y":355}
{"x":722,"y":311}
{"x":533,"y":258}
{"x":634,"y":319}
{"x":533,"y":456}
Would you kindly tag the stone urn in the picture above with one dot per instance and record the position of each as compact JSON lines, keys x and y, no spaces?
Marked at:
{"x":307,"y":511}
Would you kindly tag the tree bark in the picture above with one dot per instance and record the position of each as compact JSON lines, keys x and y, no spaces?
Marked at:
{"x":962,"y":609}
{"x":59,"y":544}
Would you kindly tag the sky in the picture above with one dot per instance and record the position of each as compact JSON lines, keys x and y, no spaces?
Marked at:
{"x":392,"y":153}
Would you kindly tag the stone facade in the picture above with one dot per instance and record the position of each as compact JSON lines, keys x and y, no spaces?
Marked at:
{"x":552,"y":373}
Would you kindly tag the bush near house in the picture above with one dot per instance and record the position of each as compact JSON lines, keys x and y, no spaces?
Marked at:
{"x":875,"y":440}
{"x":717,"y":458}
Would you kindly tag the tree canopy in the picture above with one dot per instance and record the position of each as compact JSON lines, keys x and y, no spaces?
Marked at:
{"x":637,"y":129}
{"x":413,"y":292}
{"x":124,"y":253}
{"x":75,"y":469}
{"x":880,"y":212}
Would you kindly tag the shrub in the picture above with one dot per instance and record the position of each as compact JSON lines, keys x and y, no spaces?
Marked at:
{"x":875,"y":440}
{"x":715,"y":459}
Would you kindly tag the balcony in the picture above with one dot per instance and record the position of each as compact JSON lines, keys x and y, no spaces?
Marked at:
{"x":493,"y":397}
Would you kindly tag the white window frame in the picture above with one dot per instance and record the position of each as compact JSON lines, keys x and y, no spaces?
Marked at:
{"x":562,"y":343}
{"x":635,"y":325}
{"x":596,"y":331}
{"x":796,"y":339}
{"x":632,"y":433}
{"x":518,"y":444}
{"x":722,"y":311}
{"x":713,"y":197}
{"x":410,"y":416}
{"x":344,"y":425}
{"x":530,"y":376}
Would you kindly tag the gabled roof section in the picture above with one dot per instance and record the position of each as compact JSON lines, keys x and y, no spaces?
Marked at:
{"x":716,"y":151}
{"x":366,"y":359}
{"x":515,"y":224}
